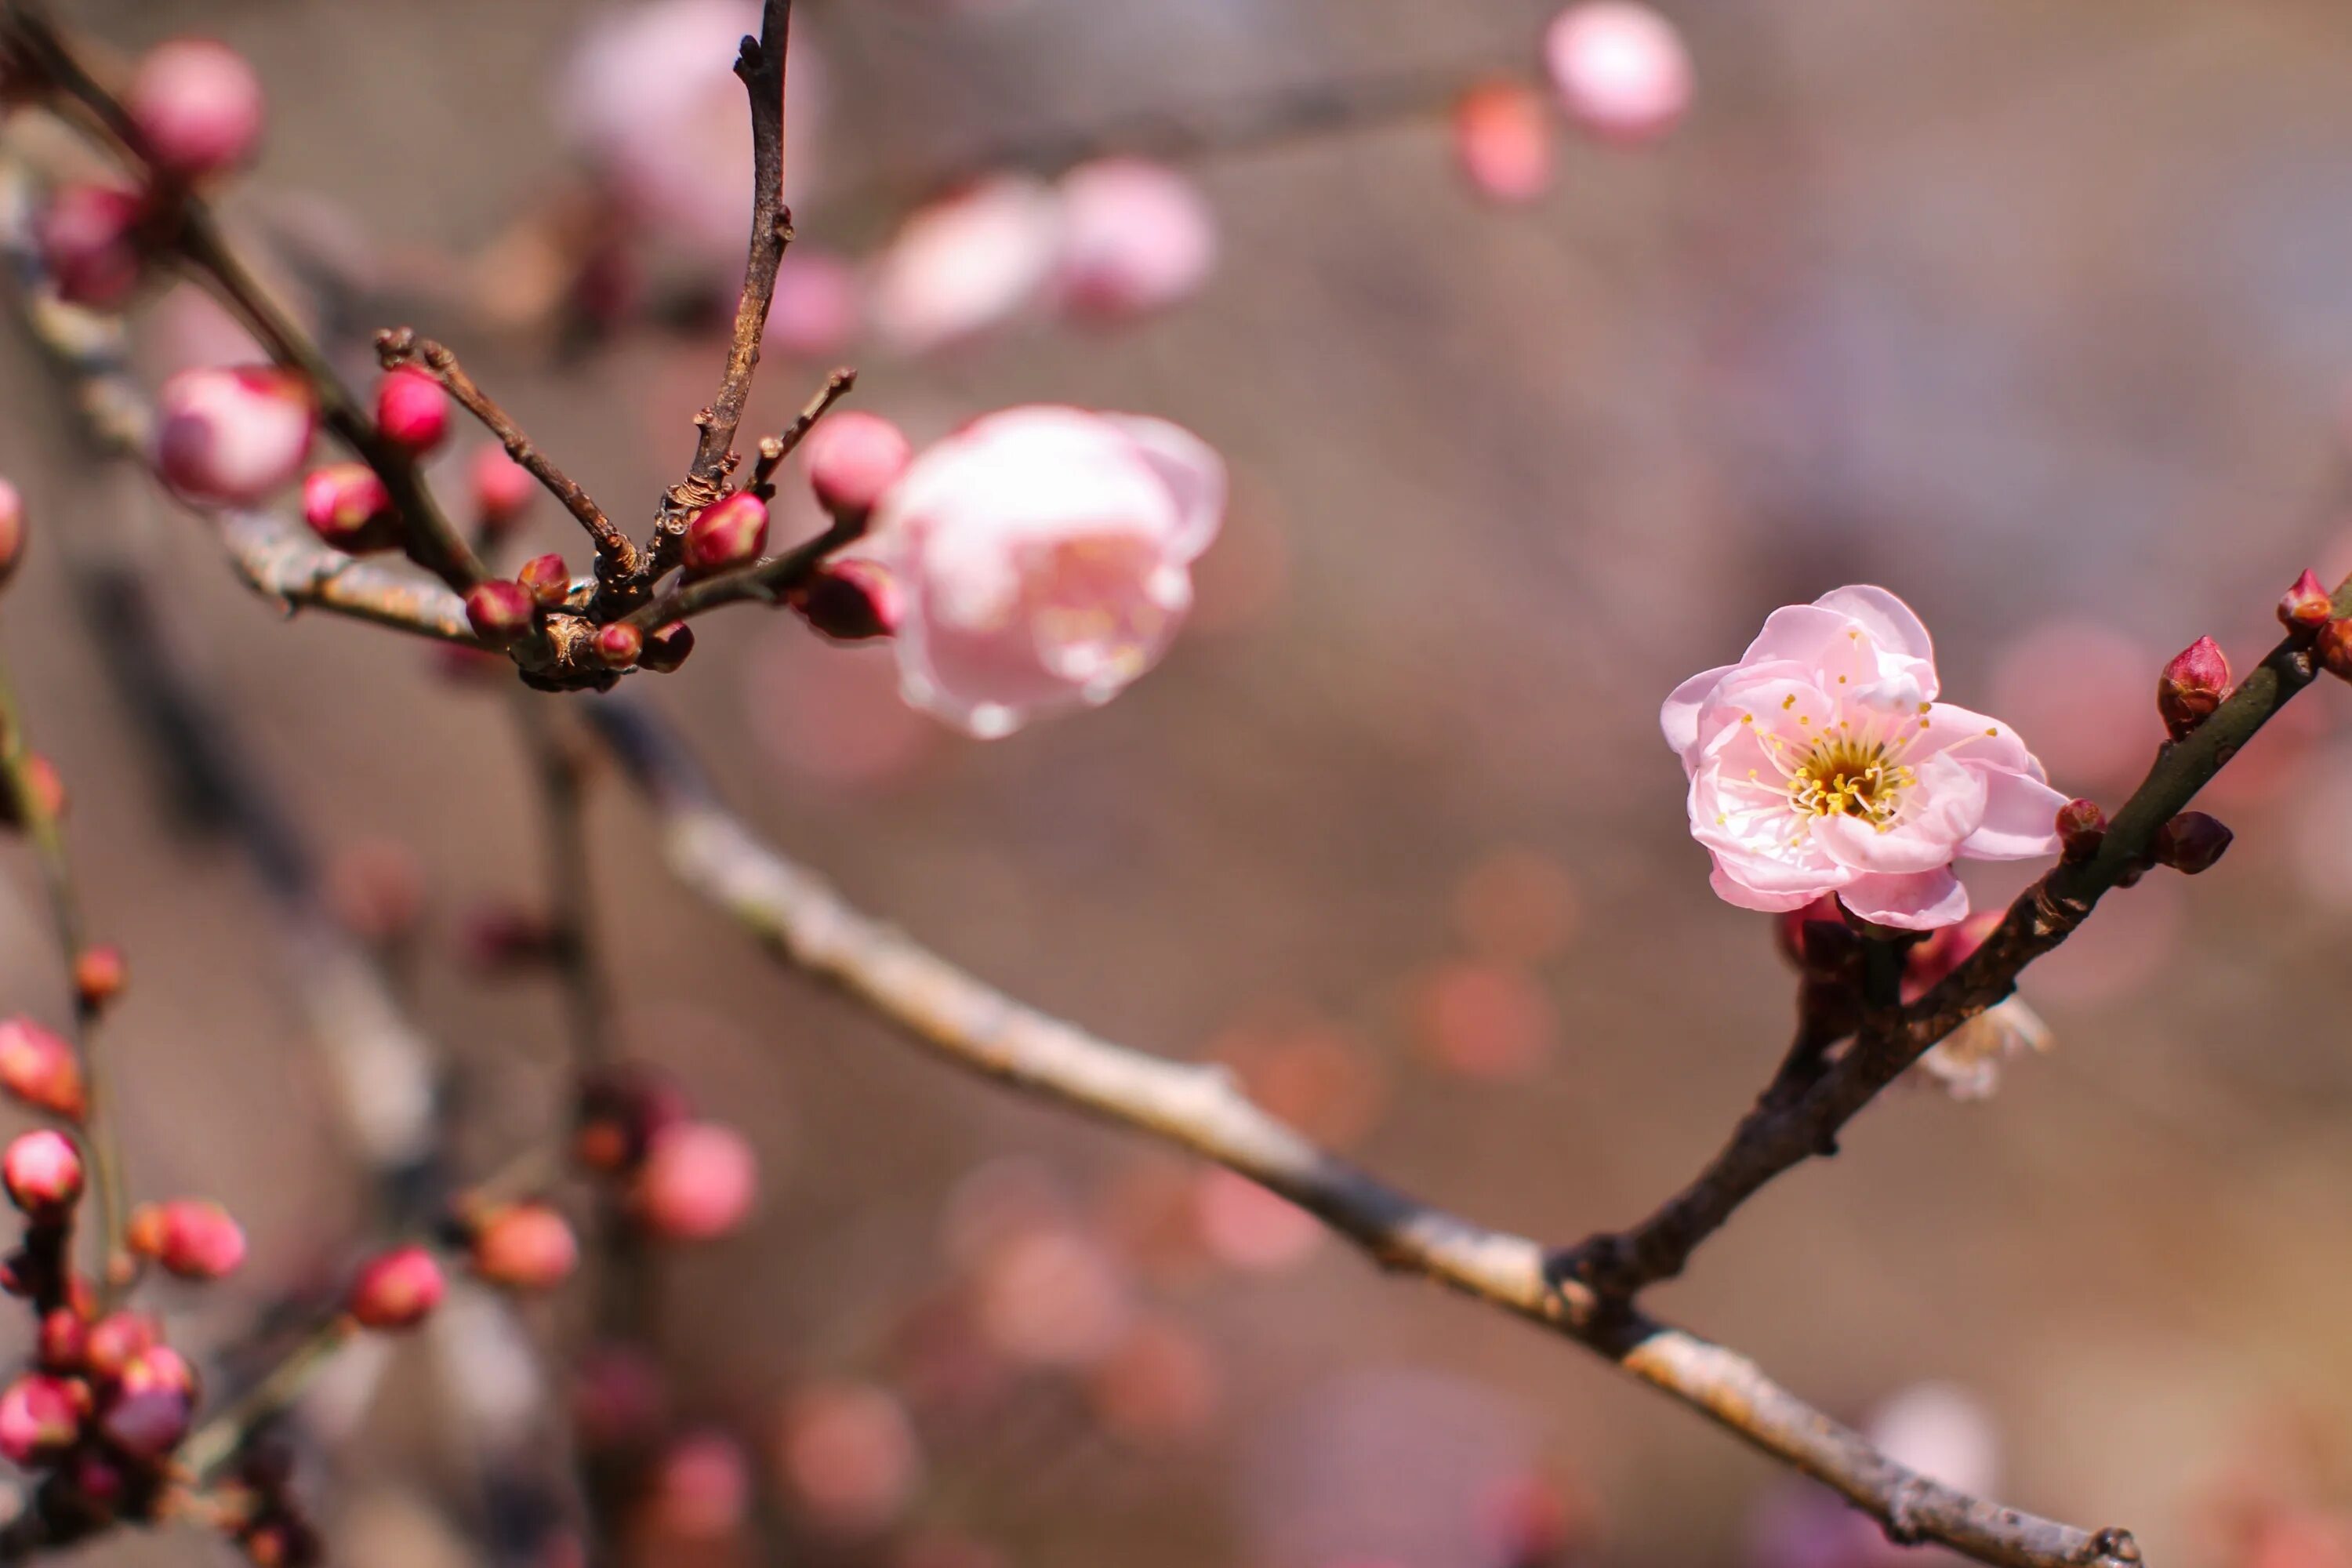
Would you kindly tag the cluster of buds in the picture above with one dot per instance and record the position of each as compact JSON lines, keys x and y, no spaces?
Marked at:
{"x":680,"y":1178}
{"x":854,"y":458}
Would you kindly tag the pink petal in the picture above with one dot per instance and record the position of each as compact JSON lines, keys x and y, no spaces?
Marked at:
{"x":1733,"y":891}
{"x":1805,"y":632}
{"x":1679,"y":720}
{"x":2020,"y":820}
{"x":1920,"y":901}
{"x":1889,"y":621}
{"x":1974,"y":738}
{"x":1195,"y":476}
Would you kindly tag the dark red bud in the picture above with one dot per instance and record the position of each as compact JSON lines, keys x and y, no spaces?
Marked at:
{"x":546,"y":579}
{"x":2306,"y":607}
{"x":2191,"y":687}
{"x":851,"y":601}
{"x":2082,"y":829}
{"x":501,"y":611}
{"x":619,"y":645}
{"x":397,"y":1289}
{"x":2191,"y":842}
{"x":667,"y":648}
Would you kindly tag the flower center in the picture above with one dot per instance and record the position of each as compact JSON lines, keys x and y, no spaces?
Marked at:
{"x":1845,"y":777}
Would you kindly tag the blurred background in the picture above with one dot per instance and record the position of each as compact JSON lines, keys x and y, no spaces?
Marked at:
{"x":2037,"y":316}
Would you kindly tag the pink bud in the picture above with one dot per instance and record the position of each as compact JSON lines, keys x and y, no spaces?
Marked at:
{"x":2335,"y":648}
{"x":546,"y":579}
{"x":731,"y":533}
{"x":62,"y":1337}
{"x":42,"y":1171}
{"x":697,"y":1183}
{"x":198,"y":106}
{"x":850,"y":600}
{"x":2306,"y":606}
{"x":619,"y":644}
{"x":854,"y":458}
{"x":1620,"y":69}
{"x":159,"y":1366}
{"x":2082,"y":829}
{"x":147,"y":1423}
{"x":1503,"y":139}
{"x":503,"y":489}
{"x":195,"y":1238}
{"x":12,"y":531}
{"x":347,"y":505}
{"x":501,"y":610}
{"x":667,"y":648}
{"x":397,"y":1289}
{"x":99,"y":974}
{"x":40,"y":1419}
{"x":39,"y":1068}
{"x":412,"y":410}
{"x":525,"y":1246}
{"x":1137,"y":236}
{"x":230,"y":437}
{"x":2191,"y":842}
{"x":115,"y":1342}
{"x":2191,"y":687}
{"x":89,"y":243}
{"x":702,"y":1489}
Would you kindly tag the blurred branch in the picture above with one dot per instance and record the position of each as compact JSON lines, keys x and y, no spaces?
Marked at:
{"x":1777,"y":1135}
{"x":1197,"y":1107}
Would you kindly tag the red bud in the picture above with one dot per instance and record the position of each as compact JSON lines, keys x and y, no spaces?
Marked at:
{"x":619,"y":644}
{"x":100,"y":974}
{"x":2306,"y":607}
{"x":546,"y":579}
{"x":524,"y":1246}
{"x":2082,"y":829}
{"x":39,"y":1068}
{"x":12,"y":531}
{"x":850,"y":600}
{"x":42,"y":1171}
{"x":195,"y":1238}
{"x":2335,"y":648}
{"x":2191,"y":842}
{"x":503,"y":489}
{"x":89,"y":236}
{"x":412,"y":410}
{"x":40,"y":1419}
{"x":853,"y":458}
{"x":2191,"y":687}
{"x":347,"y":507}
{"x":667,"y":648}
{"x":500,"y":610}
{"x":731,"y":533}
{"x":115,"y":1342}
{"x":397,"y":1289}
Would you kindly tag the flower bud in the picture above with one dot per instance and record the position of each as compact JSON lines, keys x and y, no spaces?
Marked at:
{"x":2082,"y":829}
{"x":40,"y":1419}
{"x":115,"y":1342}
{"x":2306,"y":607}
{"x":197,"y":105}
{"x":1620,"y":69}
{"x":63,"y":1335}
{"x":42,"y":1171}
{"x":667,"y":648}
{"x":501,"y":610}
{"x":696,"y":1182}
{"x":231,"y":436}
{"x":1136,"y":237}
{"x":147,"y":1423}
{"x":1502,"y":140}
{"x":524,"y":1246}
{"x":546,"y":579}
{"x":2335,"y":648}
{"x":619,"y":644}
{"x":729,"y":534}
{"x":503,"y":488}
{"x":2191,"y":687}
{"x":195,"y":1238}
{"x":347,"y":506}
{"x":412,"y":410}
{"x":854,"y":458}
{"x":397,"y":1289}
{"x":89,"y":236}
{"x":100,"y":974}
{"x":159,"y":1366}
{"x":2191,"y":842}
{"x":39,"y":1068}
{"x":850,"y":600}
{"x":12,"y":531}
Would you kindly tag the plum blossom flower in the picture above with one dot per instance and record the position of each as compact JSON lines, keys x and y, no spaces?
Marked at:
{"x":967,"y":263}
{"x":1045,"y":556}
{"x":1822,"y":763}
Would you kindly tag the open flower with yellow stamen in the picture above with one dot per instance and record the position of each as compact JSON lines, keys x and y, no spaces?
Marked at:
{"x":1822,"y":763}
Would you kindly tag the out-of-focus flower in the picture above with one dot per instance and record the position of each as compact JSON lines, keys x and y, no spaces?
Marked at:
{"x":1044,"y":554}
{"x":852,"y":460}
{"x":1822,"y":763}
{"x":1160,"y":1385}
{"x":1244,"y":1226}
{"x":412,"y":410}
{"x":195,"y":1238}
{"x":1502,"y":140}
{"x":847,"y":1453}
{"x":1620,"y":69}
{"x":819,"y":306}
{"x":702,"y":1489}
{"x":1942,"y":1431}
{"x":198,"y":105}
{"x":1966,"y":1062}
{"x":38,"y":1067}
{"x":396,"y":1289}
{"x":1054,"y":1297}
{"x":347,"y":506}
{"x":698,"y":1182}
{"x":1136,"y":237}
{"x":1482,"y":1020}
{"x":966,"y":263}
{"x":502,"y":489}
{"x":89,"y":236}
{"x":231,"y":436}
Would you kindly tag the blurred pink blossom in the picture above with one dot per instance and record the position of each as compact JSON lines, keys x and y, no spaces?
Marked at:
{"x":2081,"y":690}
{"x":232,"y":437}
{"x":1137,"y":236}
{"x":198,"y":104}
{"x":966,"y":263}
{"x":1620,"y":69}
{"x":1244,"y":1225}
{"x":1503,"y":139}
{"x":847,"y":1453}
{"x":1044,"y":554}
{"x":819,"y":306}
{"x":1820,"y":763}
{"x":1054,"y":1297}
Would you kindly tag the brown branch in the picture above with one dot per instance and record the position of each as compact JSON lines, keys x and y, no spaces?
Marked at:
{"x":774,"y":449}
{"x":1779,"y":1134}
{"x":617,"y":557}
{"x":804,"y":922}
{"x":762,"y":582}
{"x":297,"y":572}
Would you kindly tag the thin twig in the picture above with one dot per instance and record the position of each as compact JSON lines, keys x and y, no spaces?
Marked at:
{"x":763,"y":583}
{"x":804,"y":922}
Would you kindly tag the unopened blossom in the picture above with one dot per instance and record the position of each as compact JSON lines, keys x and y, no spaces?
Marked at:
{"x":1502,"y":140}
{"x":396,"y":1289}
{"x":1136,"y":237}
{"x":966,"y":263}
{"x":1822,"y":763}
{"x":195,"y":1238}
{"x":231,"y":436}
{"x":1045,"y":559}
{"x":198,"y":107}
{"x":42,"y":1171}
{"x":1620,"y":69}
{"x":502,"y":489}
{"x":853,"y":458}
{"x":40,"y":1419}
{"x":89,"y":239}
{"x":698,"y":1182}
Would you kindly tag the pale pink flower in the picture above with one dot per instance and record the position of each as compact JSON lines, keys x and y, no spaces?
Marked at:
{"x":966,"y":263}
{"x":1822,"y":763}
{"x":232,"y":437}
{"x":1620,"y":69}
{"x":199,"y":106}
{"x":1046,"y":557}
{"x":1137,"y":236}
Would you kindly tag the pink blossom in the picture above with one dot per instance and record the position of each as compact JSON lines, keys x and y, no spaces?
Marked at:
{"x":1620,"y":69}
{"x":1822,"y":763}
{"x":698,"y":1182}
{"x":819,"y":307}
{"x":199,"y":106}
{"x":1502,"y":139}
{"x":39,"y":1420}
{"x":967,"y":263}
{"x":1044,"y":554}
{"x":1137,"y":236}
{"x":89,"y":236}
{"x":231,"y":436}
